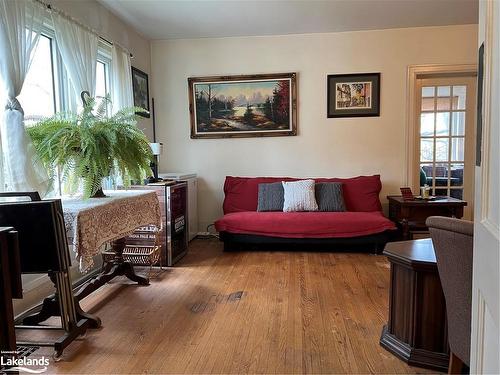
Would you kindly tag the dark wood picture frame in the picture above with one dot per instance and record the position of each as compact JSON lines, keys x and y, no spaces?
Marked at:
{"x":226,"y":123}
{"x":356,"y":78}
{"x":141,"y":93}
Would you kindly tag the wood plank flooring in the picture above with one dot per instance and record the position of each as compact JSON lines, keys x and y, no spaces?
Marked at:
{"x":244,"y":312}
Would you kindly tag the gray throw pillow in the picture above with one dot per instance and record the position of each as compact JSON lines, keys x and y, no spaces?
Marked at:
{"x":329,"y":196}
{"x":271,"y":197}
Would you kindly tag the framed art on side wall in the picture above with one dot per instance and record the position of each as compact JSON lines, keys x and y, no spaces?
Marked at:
{"x":353,"y":95}
{"x":260,"y":105}
{"x":140,"y":87}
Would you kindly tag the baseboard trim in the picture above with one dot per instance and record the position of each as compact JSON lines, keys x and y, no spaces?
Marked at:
{"x":413,"y":356}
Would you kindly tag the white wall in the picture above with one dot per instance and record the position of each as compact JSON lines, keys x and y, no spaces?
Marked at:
{"x":99,"y":18}
{"x":324,"y":147}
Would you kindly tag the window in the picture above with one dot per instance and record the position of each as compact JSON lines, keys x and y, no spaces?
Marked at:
{"x":45,"y":91}
{"x":38,"y":97}
{"x":101,"y":87}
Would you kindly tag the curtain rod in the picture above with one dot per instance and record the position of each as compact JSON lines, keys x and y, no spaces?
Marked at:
{"x":51,"y":8}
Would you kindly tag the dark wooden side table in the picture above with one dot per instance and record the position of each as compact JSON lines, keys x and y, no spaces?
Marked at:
{"x":416,"y":330}
{"x":410,"y":215}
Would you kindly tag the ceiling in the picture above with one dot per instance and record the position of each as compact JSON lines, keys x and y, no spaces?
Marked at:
{"x":167,"y":19}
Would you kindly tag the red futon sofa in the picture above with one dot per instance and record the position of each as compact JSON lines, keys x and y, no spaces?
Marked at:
{"x":362,"y":223}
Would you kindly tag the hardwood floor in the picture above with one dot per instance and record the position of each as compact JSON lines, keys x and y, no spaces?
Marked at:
{"x":245,"y":312}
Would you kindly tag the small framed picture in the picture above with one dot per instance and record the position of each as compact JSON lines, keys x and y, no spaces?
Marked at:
{"x":140,"y":87}
{"x":353,"y":95}
{"x":407,"y":194}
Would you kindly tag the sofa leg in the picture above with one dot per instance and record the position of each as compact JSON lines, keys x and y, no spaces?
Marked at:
{"x":228,"y":247}
{"x":379,"y":248}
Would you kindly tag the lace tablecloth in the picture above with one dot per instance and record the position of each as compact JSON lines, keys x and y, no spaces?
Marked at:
{"x":93,"y":222}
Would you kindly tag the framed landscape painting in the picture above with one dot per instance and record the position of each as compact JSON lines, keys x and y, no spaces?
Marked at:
{"x":353,"y":95}
{"x":243,"y":106}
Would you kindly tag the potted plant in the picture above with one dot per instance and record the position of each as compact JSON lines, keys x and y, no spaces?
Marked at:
{"x":91,"y":145}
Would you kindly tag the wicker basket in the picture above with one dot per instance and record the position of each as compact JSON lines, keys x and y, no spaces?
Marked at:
{"x":138,"y":254}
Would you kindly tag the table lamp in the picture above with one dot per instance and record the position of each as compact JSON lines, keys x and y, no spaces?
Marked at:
{"x":156,"y":149}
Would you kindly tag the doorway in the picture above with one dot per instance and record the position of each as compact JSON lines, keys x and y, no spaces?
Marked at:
{"x":445,"y":136}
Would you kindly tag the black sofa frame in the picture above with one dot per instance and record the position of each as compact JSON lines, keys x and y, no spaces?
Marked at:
{"x":238,"y":242}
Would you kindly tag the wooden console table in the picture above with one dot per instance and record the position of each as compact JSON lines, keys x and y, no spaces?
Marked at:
{"x":412,"y":214}
{"x":90,"y":224}
{"x":416,"y":330}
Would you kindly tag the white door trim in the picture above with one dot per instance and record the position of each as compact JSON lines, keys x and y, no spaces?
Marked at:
{"x":485,"y":322}
{"x":494,"y":228}
{"x":415,"y":72}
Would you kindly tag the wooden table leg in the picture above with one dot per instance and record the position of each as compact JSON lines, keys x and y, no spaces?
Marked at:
{"x":117,"y":267}
{"x":406,"y":229}
{"x":50,"y":307}
{"x":125,"y":268}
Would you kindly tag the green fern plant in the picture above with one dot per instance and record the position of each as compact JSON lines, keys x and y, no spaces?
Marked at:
{"x":91,"y":145}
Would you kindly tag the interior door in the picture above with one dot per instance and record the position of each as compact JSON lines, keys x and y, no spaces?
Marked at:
{"x":485,"y":345}
{"x":446,"y":137}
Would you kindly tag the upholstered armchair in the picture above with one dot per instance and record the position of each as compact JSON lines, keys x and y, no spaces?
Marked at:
{"x":453,"y":241}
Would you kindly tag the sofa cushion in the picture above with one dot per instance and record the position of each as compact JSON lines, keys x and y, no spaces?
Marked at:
{"x":305,"y":224}
{"x":330,"y":197}
{"x":271,"y":197}
{"x":299,"y":196}
{"x":361,"y":194}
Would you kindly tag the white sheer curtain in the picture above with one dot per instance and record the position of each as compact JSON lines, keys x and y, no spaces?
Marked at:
{"x":20,"y":26}
{"x":121,"y":93}
{"x":121,"y":79}
{"x":78,"y":49}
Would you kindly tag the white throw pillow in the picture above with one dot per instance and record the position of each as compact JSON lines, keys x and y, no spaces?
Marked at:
{"x":299,"y":196}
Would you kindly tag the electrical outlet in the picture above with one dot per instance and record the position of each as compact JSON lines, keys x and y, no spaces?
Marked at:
{"x":204,"y":234}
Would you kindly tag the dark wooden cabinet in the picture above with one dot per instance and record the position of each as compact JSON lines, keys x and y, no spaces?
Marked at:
{"x":416,"y":330}
{"x":410,"y":215}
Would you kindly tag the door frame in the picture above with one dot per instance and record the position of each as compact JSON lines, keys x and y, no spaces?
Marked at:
{"x":470,"y":81}
{"x":485,"y":286}
{"x":416,"y":72}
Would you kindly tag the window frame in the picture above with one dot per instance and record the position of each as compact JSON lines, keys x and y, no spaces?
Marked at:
{"x":62,"y":92}
{"x":48,"y":33}
{"x":60,"y":80}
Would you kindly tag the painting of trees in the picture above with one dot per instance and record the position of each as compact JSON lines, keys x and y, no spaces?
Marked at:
{"x":242,"y":105}
{"x":281,"y":102}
